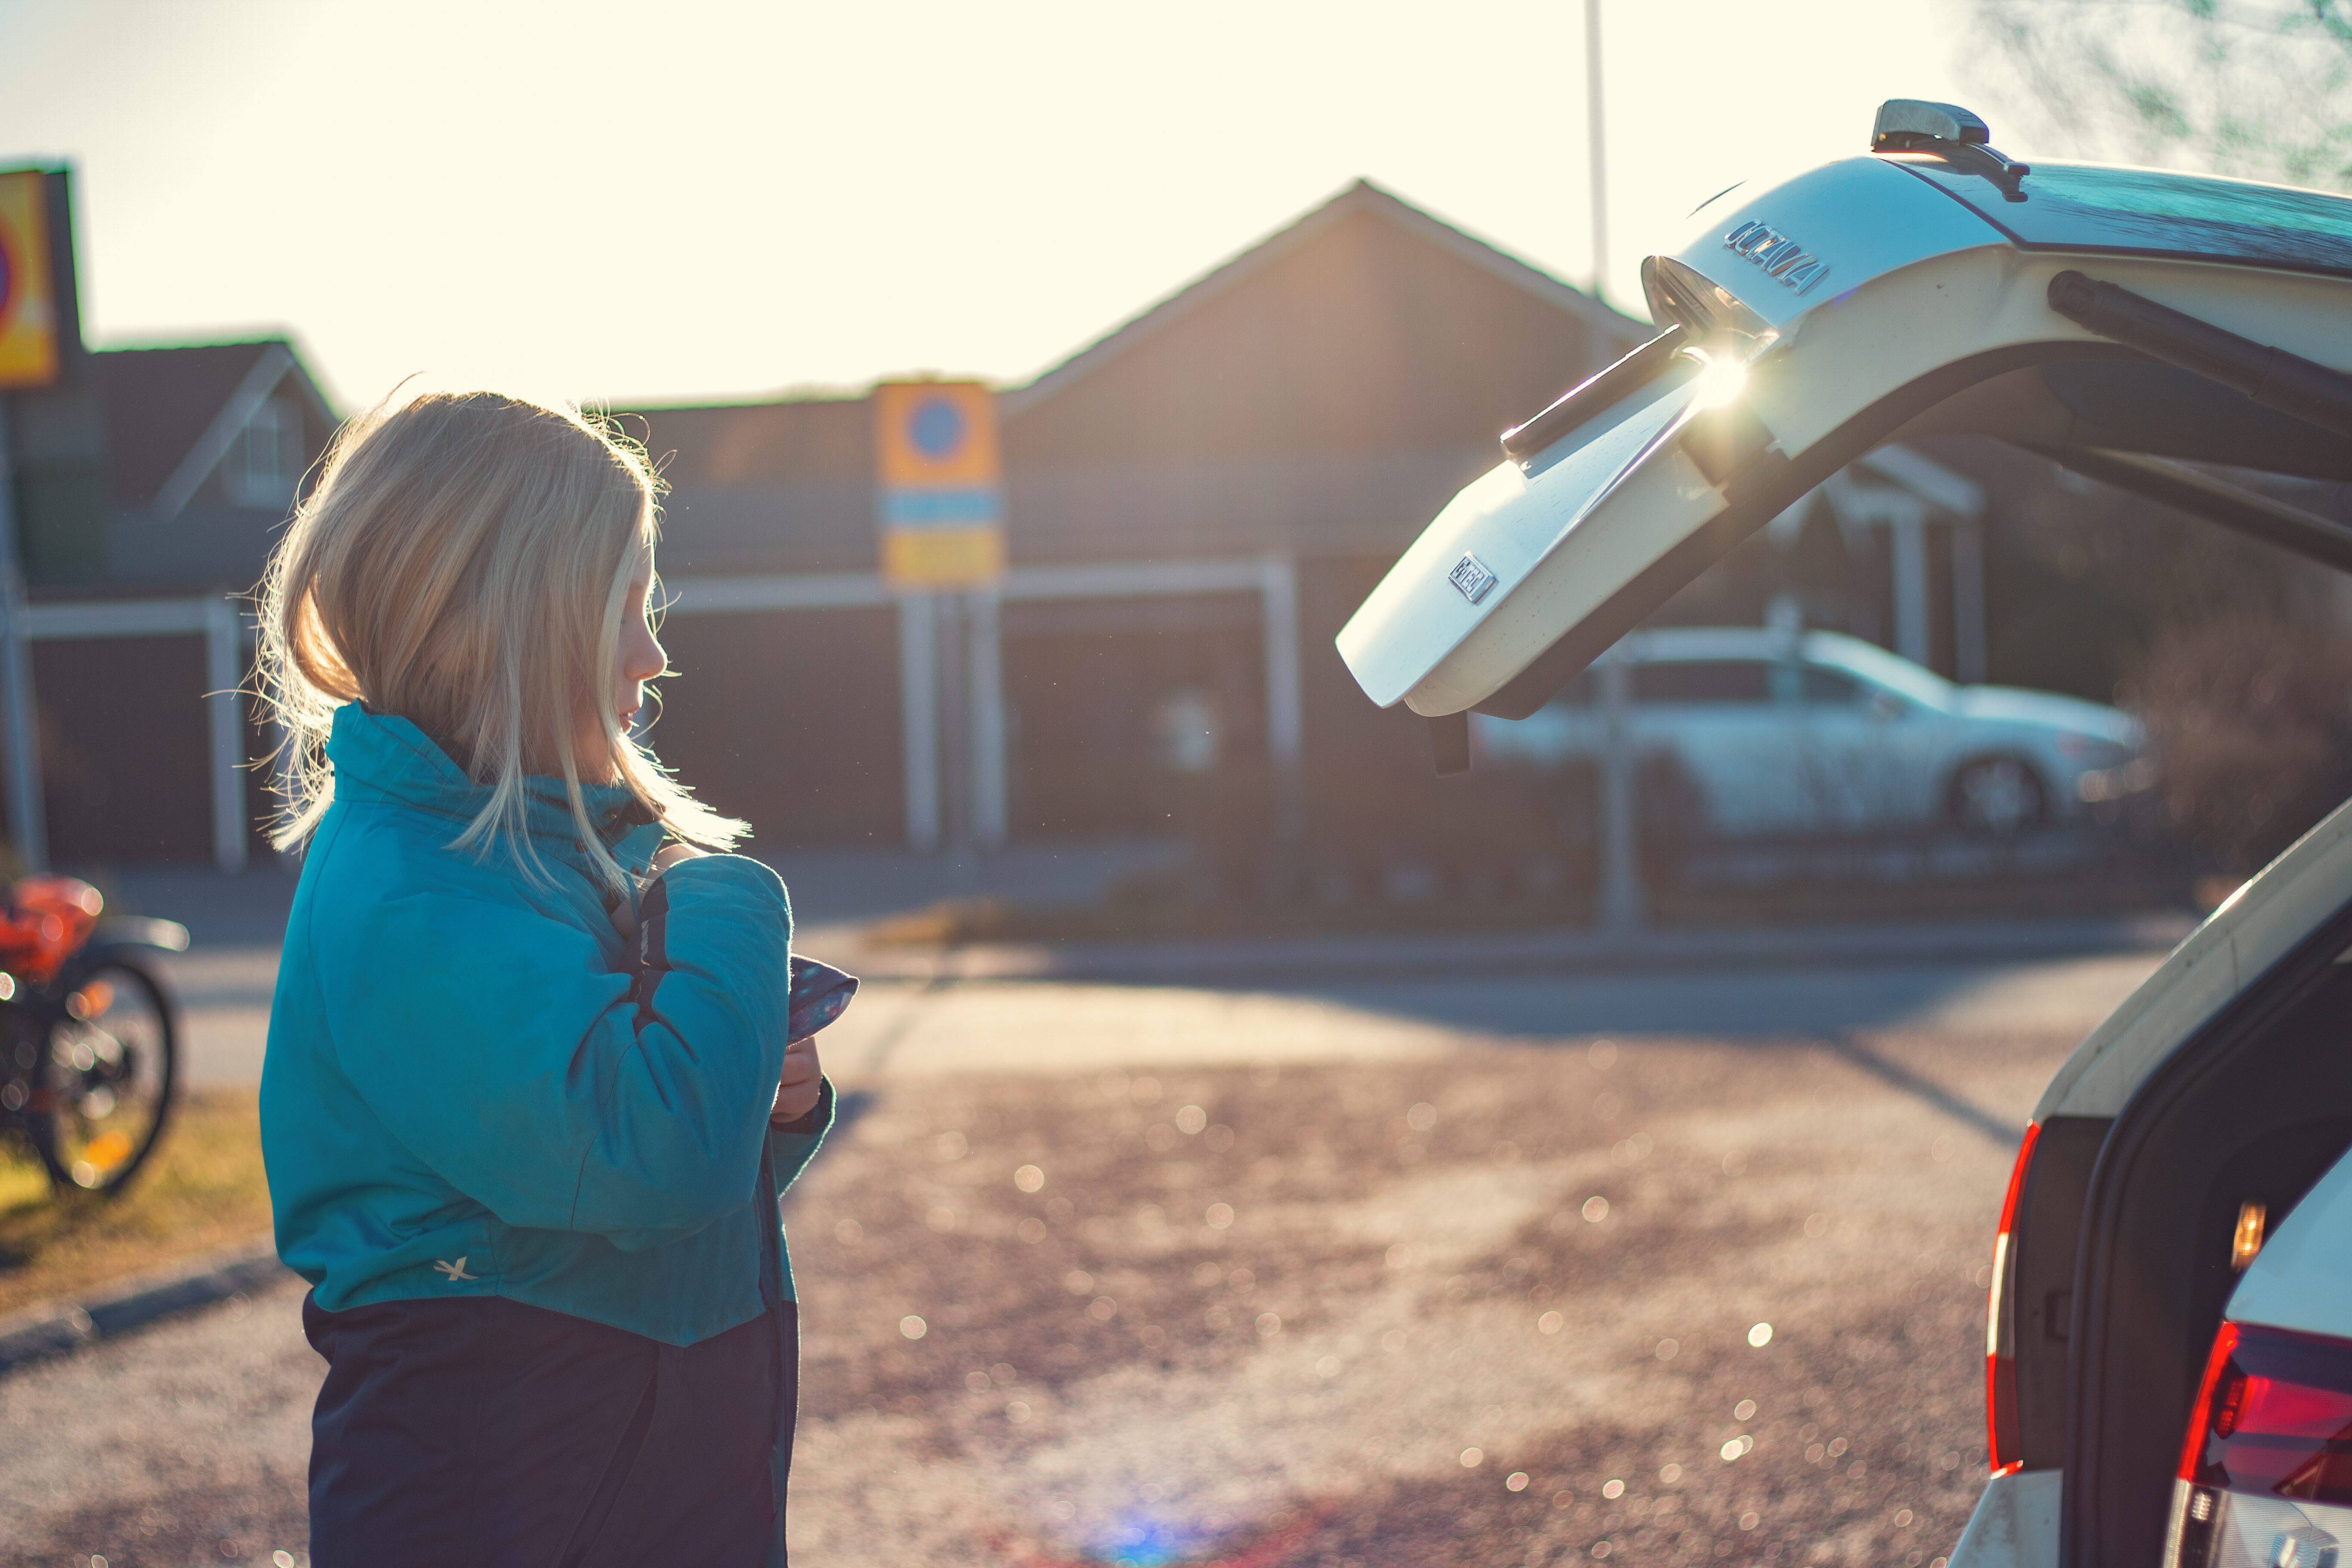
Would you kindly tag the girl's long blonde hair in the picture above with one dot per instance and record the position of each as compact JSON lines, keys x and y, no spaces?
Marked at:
{"x":464,"y":563}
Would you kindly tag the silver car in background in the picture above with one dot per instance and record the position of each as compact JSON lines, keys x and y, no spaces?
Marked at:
{"x":1789,"y":732}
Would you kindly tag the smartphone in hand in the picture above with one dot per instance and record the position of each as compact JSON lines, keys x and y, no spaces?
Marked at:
{"x":819,"y":994}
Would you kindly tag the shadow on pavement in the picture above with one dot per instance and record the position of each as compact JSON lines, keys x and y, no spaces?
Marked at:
{"x":1755,"y":1005}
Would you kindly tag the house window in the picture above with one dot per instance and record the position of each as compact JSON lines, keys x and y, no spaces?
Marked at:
{"x":1186,"y":732}
{"x":266,"y":462}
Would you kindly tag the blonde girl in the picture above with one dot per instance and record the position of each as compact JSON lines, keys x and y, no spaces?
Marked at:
{"x":529,"y":1105}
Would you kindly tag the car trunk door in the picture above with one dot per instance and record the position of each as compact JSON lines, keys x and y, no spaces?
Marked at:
{"x":1878,"y":304}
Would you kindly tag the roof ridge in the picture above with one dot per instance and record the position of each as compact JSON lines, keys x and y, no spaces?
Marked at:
{"x":285,"y":336}
{"x":1362,"y":194}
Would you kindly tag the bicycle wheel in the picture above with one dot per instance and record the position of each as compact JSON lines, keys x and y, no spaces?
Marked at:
{"x":109,"y":1073}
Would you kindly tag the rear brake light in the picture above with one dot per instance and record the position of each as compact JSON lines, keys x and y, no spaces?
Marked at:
{"x":2001,"y":1354}
{"x":2265,"y":1474}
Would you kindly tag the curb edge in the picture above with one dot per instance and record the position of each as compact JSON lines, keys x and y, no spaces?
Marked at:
{"x":38,"y":1333}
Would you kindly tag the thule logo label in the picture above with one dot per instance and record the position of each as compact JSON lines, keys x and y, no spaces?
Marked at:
{"x":1472,"y":576}
{"x":1778,"y":255}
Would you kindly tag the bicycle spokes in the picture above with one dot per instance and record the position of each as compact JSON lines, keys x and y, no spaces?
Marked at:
{"x":107,"y":1077}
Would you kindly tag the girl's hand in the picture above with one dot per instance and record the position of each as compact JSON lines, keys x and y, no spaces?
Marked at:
{"x":624,"y":919}
{"x":671,"y":854}
{"x":801,"y":1083}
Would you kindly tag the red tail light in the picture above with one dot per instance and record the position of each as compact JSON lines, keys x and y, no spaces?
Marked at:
{"x":2265,"y":1471}
{"x":2001,"y":1363}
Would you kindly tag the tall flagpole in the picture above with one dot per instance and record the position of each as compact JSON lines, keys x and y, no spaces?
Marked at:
{"x":1619,"y":898}
{"x":1598,"y":137}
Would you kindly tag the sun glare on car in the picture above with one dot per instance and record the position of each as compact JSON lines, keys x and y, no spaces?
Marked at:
{"x":1720,"y":381}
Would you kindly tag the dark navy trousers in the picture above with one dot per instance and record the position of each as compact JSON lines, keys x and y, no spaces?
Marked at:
{"x":482,"y":1433}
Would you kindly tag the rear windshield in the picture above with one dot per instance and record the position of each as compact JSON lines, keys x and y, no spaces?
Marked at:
{"x":1876,"y":665}
{"x":2078,"y":207}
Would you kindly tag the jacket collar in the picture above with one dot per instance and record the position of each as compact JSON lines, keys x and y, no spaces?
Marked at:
{"x":390,"y":758}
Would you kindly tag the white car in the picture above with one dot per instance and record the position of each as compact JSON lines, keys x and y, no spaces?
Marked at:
{"x":2170,"y":1344}
{"x":1787,"y":732}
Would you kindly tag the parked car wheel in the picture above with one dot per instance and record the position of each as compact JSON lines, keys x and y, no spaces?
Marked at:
{"x":1997,"y":797}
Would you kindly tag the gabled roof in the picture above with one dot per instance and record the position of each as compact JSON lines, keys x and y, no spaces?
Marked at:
{"x":763,"y":487}
{"x":1323,"y":393}
{"x":166,"y":408}
{"x":1363,"y":197}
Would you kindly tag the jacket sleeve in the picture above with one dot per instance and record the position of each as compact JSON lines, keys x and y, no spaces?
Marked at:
{"x":792,"y":1144}
{"x":493,"y":1041}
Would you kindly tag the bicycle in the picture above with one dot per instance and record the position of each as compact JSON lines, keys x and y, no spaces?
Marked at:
{"x":89,"y":1033}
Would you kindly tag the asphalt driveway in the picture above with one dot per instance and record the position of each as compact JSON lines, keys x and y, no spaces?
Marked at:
{"x":1418,"y":1271}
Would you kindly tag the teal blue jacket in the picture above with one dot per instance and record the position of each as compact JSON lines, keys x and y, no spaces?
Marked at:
{"x":470,"y":1093}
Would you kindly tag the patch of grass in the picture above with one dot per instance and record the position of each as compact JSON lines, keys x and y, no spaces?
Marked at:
{"x":201,"y":1190}
{"x":955,"y":922}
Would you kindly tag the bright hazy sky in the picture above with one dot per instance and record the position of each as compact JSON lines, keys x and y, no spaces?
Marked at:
{"x":680,"y":200}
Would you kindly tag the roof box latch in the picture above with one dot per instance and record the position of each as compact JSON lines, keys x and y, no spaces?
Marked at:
{"x":1952,"y":134}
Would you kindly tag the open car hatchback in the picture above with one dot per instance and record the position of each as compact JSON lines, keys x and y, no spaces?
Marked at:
{"x":2162,"y":1383}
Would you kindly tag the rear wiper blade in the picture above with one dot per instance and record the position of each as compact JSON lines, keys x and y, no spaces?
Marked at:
{"x":2272,"y":377}
{"x":1584,"y":401}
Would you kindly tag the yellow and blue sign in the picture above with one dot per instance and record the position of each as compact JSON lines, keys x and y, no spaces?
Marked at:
{"x":939,"y":484}
{"x":29,"y":295}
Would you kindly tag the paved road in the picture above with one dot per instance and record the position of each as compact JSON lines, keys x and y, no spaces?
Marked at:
{"x":1898,"y":1087}
{"x":995,"y":1026}
{"x":226,"y":979}
{"x":182,"y":1445}
{"x":988,"y":1026}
